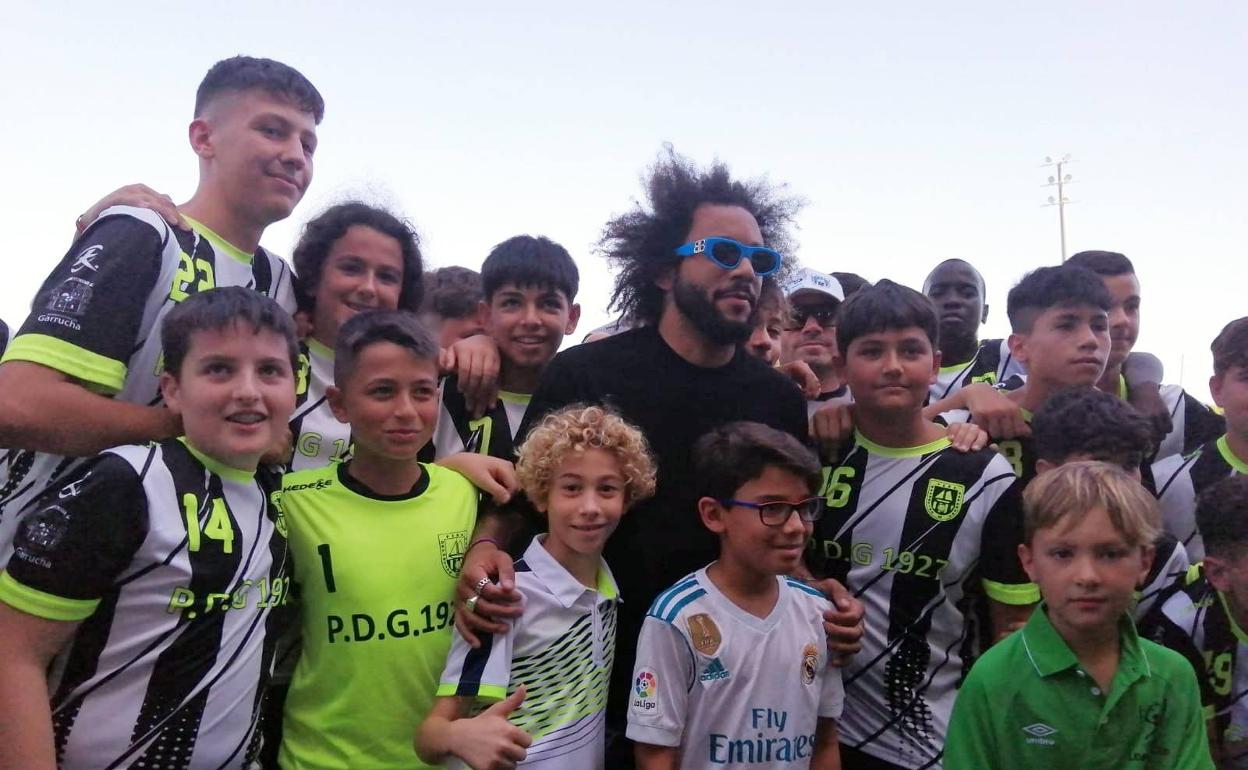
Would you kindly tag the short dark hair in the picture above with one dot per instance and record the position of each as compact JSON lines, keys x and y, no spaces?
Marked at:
{"x":1050,"y":287}
{"x":851,"y":283}
{"x":641,"y":244}
{"x":771,"y":295}
{"x":323,"y":231}
{"x":1105,"y":263}
{"x":884,"y":306}
{"x":244,"y":73}
{"x":979,"y":277}
{"x":728,"y":457}
{"x":218,"y":309}
{"x":530,"y":261}
{"x":452,"y":292}
{"x":1230,"y":347}
{"x":401,"y":327}
{"x":1222,"y":516}
{"x":1087,"y":421}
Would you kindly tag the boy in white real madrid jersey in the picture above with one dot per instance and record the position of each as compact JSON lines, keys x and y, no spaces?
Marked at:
{"x":377,"y":542}
{"x":732,"y":663}
{"x":547,"y":676}
{"x":81,"y":375}
{"x":139,"y":600}
{"x":924,"y":535}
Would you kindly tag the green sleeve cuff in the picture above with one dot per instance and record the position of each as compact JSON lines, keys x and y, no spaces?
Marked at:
{"x":1006,"y":593}
{"x":32,"y":601}
{"x":94,"y":369}
{"x":484,"y":691}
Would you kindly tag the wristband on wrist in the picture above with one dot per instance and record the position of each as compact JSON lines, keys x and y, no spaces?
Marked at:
{"x":480,"y":540}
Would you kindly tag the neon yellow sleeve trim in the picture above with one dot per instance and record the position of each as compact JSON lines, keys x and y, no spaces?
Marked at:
{"x":484,"y":692}
{"x":54,"y":353}
{"x":1022,"y":593}
{"x":43,"y":605}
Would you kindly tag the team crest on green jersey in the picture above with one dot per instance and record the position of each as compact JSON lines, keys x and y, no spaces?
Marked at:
{"x":943,"y":500}
{"x":451,"y":547}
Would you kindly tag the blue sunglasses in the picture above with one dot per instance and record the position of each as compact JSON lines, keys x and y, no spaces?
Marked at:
{"x":728,"y":253}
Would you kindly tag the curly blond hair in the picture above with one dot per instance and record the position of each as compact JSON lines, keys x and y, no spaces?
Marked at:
{"x":575,"y":429}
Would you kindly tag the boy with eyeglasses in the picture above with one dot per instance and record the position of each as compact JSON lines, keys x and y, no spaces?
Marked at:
{"x":922,"y":534}
{"x":731,"y":665}
{"x":810,"y":334}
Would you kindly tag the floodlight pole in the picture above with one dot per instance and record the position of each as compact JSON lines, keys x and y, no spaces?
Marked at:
{"x":1059,"y":179}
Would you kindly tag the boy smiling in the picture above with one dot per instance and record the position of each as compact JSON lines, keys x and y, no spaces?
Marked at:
{"x":162,"y":563}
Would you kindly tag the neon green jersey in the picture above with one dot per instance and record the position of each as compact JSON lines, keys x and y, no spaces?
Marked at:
{"x":376,"y":579}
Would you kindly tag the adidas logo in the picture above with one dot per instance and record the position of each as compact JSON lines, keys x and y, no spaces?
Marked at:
{"x":1041,"y":734}
{"x":714,"y":670}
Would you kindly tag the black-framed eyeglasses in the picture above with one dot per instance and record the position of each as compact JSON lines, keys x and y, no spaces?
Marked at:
{"x":775,"y":513}
{"x":824,"y":316}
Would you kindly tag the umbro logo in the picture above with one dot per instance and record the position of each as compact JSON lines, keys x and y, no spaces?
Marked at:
{"x":1041,"y":734}
{"x":714,"y":671}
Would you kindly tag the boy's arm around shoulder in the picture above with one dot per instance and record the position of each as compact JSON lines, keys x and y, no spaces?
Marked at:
{"x":76,"y":344}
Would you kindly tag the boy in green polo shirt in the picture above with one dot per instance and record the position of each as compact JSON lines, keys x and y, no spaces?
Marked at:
{"x":1076,"y":687}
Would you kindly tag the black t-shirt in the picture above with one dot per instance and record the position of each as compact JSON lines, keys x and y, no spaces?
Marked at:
{"x":4,"y":336}
{"x":673,"y":402}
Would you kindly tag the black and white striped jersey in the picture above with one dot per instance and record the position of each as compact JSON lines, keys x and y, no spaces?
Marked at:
{"x":1194,"y":619}
{"x":919,"y":535}
{"x":1179,"y":480}
{"x":993,"y":363}
{"x":97,"y":319}
{"x":1192,"y":423}
{"x":172,"y":564}
{"x":492,"y":434}
{"x":318,"y":435}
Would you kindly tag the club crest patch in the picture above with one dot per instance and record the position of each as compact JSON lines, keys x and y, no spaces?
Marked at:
{"x":451,"y":547}
{"x":943,"y":501}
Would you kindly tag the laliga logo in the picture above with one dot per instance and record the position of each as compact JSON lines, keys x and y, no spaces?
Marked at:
{"x":646,"y":685}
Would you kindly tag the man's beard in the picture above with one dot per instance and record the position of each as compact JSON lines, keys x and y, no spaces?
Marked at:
{"x":694,"y":304}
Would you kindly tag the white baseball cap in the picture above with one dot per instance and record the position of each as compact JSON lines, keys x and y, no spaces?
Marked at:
{"x":806,"y":279}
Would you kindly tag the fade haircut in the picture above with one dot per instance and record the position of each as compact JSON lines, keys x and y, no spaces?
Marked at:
{"x":575,"y":429}
{"x":1104,"y":263}
{"x":1066,"y":494}
{"x":1087,"y":421}
{"x":1230,"y":347}
{"x":451,"y":292}
{"x":246,"y":73}
{"x":220,"y":309}
{"x":883,"y":307}
{"x":851,"y":283}
{"x":400,"y":327}
{"x":1222,"y":517}
{"x":641,"y":244}
{"x":530,"y":261}
{"x":730,"y":456}
{"x":322,"y":232}
{"x":1049,"y":287}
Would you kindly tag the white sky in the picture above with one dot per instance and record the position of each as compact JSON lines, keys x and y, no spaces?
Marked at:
{"x":915,"y":130}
